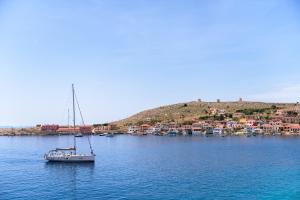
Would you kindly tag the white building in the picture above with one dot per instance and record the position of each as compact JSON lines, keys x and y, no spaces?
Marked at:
{"x":133,"y":129}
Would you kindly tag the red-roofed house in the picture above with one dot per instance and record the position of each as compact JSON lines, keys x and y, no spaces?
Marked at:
{"x":144,"y":127}
{"x":268,"y":128}
{"x":251,"y":122}
{"x":294,"y":128}
{"x":173,"y":125}
{"x":49,"y":128}
{"x":85,"y":129}
{"x":68,"y":130}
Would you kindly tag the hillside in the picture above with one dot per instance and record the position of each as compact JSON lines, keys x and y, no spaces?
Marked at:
{"x":193,"y":111}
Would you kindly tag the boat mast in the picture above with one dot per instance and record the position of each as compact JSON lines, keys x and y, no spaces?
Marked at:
{"x":91,"y":148}
{"x":68,"y":118}
{"x":74,"y":119}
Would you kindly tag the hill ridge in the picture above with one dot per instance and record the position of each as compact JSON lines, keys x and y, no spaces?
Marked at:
{"x":194,"y":110}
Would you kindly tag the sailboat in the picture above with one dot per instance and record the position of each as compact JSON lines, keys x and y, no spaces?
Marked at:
{"x":70,"y":154}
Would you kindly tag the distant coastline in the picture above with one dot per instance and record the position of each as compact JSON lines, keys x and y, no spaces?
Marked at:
{"x":173,"y":132}
{"x":191,"y":118}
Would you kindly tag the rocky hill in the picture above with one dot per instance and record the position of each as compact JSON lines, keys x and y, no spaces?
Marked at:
{"x":196,"y":110}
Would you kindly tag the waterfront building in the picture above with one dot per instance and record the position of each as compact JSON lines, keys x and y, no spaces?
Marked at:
{"x":165,"y":127}
{"x":206,"y":125}
{"x":86,"y":129}
{"x":231,"y":124}
{"x":49,"y":128}
{"x":100,"y":129}
{"x":277,"y":123}
{"x":220,"y":125}
{"x":258,"y":131}
{"x":196,"y":128}
{"x":105,"y":128}
{"x":133,"y":129}
{"x":173,"y":125}
{"x":144,"y":128}
{"x":185,"y":128}
{"x":155,"y":129}
{"x":286,"y":128}
{"x":268,"y":128}
{"x":292,"y":120}
{"x":251,"y":122}
{"x":68,"y":130}
{"x":294,"y":128}
{"x":218,"y":131}
{"x":112,"y":127}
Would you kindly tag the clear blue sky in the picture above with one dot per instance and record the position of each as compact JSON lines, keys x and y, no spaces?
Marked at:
{"x":127,"y":56}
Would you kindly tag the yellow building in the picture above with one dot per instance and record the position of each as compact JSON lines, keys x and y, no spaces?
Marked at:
{"x":243,"y":121}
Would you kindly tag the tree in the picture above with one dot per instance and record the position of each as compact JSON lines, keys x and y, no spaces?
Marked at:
{"x":221,"y":118}
{"x":236,"y":119}
{"x":203,"y":117}
{"x":292,"y":113}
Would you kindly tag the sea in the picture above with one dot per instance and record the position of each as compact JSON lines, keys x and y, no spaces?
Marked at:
{"x":153,"y":167}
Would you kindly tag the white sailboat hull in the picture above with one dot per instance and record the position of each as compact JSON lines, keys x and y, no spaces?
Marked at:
{"x":71,"y":158}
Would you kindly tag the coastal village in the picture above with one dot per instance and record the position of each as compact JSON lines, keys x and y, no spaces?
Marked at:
{"x":273,"y":119}
{"x":218,"y":122}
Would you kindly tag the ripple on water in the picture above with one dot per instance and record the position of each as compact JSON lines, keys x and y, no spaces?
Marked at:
{"x":154,"y":168}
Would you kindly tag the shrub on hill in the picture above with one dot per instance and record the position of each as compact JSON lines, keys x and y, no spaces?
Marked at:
{"x":251,"y":111}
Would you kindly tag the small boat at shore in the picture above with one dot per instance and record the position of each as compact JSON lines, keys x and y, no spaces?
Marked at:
{"x":218,"y":131}
{"x":109,"y":135}
{"x":172,"y":133}
{"x":156,"y":133}
{"x":79,"y":135}
{"x":70,"y":154}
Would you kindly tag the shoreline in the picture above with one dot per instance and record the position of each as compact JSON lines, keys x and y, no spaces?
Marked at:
{"x":34,"y":131}
{"x":25,"y":133}
{"x":37,"y":132}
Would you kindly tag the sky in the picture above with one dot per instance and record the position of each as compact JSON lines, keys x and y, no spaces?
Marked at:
{"x":128,"y":56}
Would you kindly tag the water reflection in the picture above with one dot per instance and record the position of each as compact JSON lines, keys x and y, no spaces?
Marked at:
{"x":59,"y":165}
{"x":70,"y":176}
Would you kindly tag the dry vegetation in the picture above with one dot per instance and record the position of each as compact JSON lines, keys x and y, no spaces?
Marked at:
{"x":193,"y":111}
{"x":19,"y":131}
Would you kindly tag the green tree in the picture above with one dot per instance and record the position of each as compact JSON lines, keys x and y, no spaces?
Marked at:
{"x":221,"y":117}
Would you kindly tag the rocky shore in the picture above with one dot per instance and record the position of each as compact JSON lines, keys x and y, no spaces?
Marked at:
{"x":19,"y":131}
{"x":25,"y":132}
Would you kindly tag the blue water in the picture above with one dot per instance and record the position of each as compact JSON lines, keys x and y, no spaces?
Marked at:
{"x":150,"y":167}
